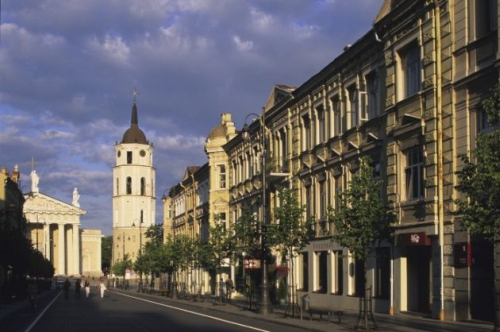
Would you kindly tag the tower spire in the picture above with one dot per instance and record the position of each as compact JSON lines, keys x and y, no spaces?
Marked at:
{"x":135,"y":119}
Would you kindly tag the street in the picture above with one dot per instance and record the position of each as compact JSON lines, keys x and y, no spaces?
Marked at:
{"x":127,"y":311}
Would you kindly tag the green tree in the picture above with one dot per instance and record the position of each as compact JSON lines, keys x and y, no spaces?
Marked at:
{"x":106,"y":249}
{"x":247,"y":233}
{"x":291,"y":231}
{"x":362,"y":219}
{"x":479,"y":181}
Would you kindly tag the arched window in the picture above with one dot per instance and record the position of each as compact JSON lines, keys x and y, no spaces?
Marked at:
{"x":143,"y":186}
{"x":129,"y":185}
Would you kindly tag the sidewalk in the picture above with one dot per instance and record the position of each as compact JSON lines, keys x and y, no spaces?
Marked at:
{"x":349,"y":319}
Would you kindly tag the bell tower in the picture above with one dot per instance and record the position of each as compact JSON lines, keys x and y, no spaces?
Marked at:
{"x":134,"y":207}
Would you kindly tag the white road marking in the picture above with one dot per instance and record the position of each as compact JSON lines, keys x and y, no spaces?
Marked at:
{"x":41,"y":313}
{"x":192,"y":312}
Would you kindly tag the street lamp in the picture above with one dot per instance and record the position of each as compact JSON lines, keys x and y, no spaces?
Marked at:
{"x":265,"y":306}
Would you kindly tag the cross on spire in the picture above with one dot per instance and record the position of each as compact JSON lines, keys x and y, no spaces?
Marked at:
{"x":135,"y":93}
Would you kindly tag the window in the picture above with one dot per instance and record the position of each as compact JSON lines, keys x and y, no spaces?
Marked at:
{"x":482,"y":121}
{"x":484,"y":20}
{"x":222,"y":176}
{"x":414,"y":174}
{"x":338,"y":263}
{"x":129,"y":157}
{"x":321,"y":123}
{"x":249,"y":165}
{"x":322,"y":200}
{"x":143,"y":186}
{"x":305,"y":271}
{"x":284,"y":151}
{"x":353,"y":107}
{"x":117,"y":186}
{"x":308,"y":202}
{"x":338,"y":192}
{"x":411,"y":67}
{"x":382,"y":273}
{"x":337,"y":116}
{"x":307,"y":132}
{"x":222,"y":221}
{"x":372,"y":95}
{"x":129,"y":185}
{"x":321,"y":284}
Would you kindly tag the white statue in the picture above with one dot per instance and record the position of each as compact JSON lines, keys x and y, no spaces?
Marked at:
{"x":34,"y":181}
{"x":76,"y":197}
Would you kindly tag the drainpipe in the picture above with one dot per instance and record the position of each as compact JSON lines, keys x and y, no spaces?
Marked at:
{"x":437,"y":13}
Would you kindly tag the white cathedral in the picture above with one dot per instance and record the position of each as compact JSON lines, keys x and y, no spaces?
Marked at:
{"x":54,"y":230}
{"x":134,"y":201}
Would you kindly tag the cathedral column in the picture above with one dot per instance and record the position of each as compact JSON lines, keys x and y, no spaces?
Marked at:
{"x":76,"y":249}
{"x":61,"y":259}
{"x":46,"y":237}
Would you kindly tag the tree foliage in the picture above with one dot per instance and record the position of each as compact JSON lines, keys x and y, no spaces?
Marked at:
{"x":479,"y":180}
{"x":291,"y":232}
{"x":363,"y":218}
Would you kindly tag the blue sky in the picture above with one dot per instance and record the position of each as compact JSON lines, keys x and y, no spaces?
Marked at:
{"x":68,"y":69}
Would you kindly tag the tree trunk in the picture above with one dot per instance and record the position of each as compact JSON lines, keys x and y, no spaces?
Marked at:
{"x":496,"y":279}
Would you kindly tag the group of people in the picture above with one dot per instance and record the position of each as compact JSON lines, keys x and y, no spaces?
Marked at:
{"x":79,"y":284}
{"x":226,"y":289}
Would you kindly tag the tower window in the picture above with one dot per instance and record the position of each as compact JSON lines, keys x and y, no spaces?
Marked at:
{"x":129,"y":185}
{"x":129,"y":157}
{"x":143,"y":186}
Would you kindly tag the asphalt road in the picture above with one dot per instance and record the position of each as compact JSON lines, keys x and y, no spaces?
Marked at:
{"x":128,"y":312}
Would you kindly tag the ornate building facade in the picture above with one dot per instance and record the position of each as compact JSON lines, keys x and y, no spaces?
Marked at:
{"x":407,"y":94}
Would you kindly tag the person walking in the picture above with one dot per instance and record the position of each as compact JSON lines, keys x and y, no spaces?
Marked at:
{"x":78,"y":289}
{"x":229,"y":288}
{"x":102,"y":288}
{"x":66,"y":286}
{"x":87,"y":288}
{"x":32,"y":294}
{"x":222,"y":285}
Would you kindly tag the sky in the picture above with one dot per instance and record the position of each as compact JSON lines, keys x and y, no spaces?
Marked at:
{"x":68,"y":69}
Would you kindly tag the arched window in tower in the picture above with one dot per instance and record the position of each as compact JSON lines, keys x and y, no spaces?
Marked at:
{"x":143,"y":186}
{"x":117,"y":186}
{"x":129,"y":185}
{"x":129,"y":157}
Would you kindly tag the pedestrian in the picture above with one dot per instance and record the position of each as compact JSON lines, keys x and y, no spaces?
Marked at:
{"x":222,"y":286}
{"x":32,"y":294}
{"x":229,"y":288}
{"x":78,"y":289}
{"x":102,"y":288}
{"x":66,"y":286}
{"x":87,"y":288}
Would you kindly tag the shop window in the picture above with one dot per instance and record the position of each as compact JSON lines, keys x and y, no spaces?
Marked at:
{"x":321,"y":284}
{"x":338,"y":272}
{"x":382,"y":273}
{"x":305,"y":271}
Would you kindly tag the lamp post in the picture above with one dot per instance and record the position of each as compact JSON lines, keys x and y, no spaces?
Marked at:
{"x":265,"y":306}
{"x":139,"y":289}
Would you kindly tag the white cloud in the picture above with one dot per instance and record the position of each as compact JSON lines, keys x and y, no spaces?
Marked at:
{"x":111,"y":48}
{"x":243,"y":46}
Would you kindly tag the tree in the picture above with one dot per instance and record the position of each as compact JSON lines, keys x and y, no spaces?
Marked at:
{"x":106,"y":246}
{"x":479,"y":181}
{"x":362,"y":219}
{"x":290,"y":233}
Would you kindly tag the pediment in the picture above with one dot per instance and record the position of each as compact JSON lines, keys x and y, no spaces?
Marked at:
{"x":40,"y":203}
